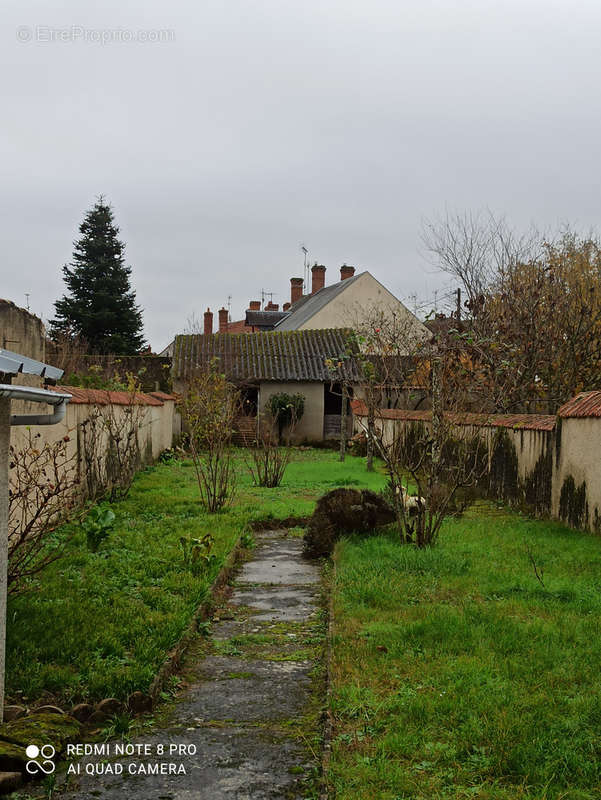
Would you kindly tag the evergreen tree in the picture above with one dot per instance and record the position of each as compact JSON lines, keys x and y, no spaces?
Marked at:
{"x":100,"y":305}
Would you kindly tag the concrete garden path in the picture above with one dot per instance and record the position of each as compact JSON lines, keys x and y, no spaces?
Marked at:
{"x":251,"y":702}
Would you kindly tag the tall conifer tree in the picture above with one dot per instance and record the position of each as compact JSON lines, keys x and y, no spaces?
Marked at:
{"x":100,"y":304}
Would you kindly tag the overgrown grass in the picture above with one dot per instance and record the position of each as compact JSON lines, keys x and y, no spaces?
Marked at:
{"x":100,"y":624}
{"x":456,"y":673}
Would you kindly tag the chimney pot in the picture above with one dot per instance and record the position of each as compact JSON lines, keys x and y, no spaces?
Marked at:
{"x":254,"y":305}
{"x":296,"y":289}
{"x":318,"y":277}
{"x":346,"y":272}
{"x":208,"y":322}
{"x":272,"y":306}
{"x":286,"y":306}
{"x":223,"y":320}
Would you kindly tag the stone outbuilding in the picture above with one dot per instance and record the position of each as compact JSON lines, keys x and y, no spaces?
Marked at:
{"x":270,"y":362}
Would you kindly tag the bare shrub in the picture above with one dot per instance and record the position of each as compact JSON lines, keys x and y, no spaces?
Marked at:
{"x":208,"y":409}
{"x":440,"y":461}
{"x":285,"y":411}
{"x":42,"y":495}
{"x":111,"y":447}
{"x":266,"y":457}
{"x":67,"y":350}
{"x":439,"y":457}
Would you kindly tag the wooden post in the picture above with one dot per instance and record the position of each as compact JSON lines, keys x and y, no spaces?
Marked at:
{"x":343,"y":423}
{"x":4,"y":462}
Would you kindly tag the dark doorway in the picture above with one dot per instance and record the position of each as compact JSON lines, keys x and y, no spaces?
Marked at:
{"x":332,"y":410}
{"x":249,"y":400}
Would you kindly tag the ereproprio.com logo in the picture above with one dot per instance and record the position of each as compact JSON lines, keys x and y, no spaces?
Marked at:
{"x":40,"y":759}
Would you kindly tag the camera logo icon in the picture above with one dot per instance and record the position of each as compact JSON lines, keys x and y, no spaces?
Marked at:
{"x":40,"y":759}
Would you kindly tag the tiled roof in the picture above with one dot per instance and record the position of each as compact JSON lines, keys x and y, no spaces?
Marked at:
{"x":238,"y":327}
{"x":442,"y":325}
{"x":104,"y":397}
{"x":532,"y":422}
{"x":305,"y":308}
{"x":585,"y":404}
{"x":266,"y":355}
{"x":264,"y":319}
{"x":162,"y":395}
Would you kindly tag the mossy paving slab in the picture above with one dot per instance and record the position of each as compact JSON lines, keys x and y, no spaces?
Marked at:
{"x":39,"y":729}
{"x":279,"y":561}
{"x":278,"y":603}
{"x":248,"y":713}
{"x":270,"y":691}
{"x":230,"y":762}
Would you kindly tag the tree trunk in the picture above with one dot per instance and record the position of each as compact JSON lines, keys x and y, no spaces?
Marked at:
{"x":437,"y":420}
{"x":370,"y":437}
{"x":437,"y":429}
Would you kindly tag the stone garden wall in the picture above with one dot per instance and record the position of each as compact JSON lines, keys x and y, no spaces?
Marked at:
{"x":549,"y":465}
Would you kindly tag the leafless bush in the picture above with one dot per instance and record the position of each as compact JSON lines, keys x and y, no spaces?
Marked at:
{"x":67,"y":351}
{"x":111,"y":447}
{"x":440,"y":460}
{"x":43,"y":494}
{"x":266,"y":457}
{"x":439,"y":457}
{"x":208,"y":409}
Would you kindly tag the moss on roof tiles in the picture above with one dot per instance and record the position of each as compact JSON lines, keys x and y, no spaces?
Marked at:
{"x":297,"y":355}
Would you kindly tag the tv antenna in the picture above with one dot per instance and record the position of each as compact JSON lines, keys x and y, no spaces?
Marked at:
{"x":264,"y":295}
{"x":305,"y":252}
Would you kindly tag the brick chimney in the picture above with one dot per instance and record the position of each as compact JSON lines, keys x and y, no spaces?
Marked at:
{"x":346,"y":272}
{"x":223,"y":320}
{"x":318,"y":277}
{"x":286,"y":306}
{"x":208,"y":322}
{"x":254,"y":305}
{"x":272,"y":306}
{"x":296,"y":289}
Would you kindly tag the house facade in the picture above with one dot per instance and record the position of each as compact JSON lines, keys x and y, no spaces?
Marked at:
{"x":347,"y":303}
{"x":350,"y":302}
{"x":288,"y":350}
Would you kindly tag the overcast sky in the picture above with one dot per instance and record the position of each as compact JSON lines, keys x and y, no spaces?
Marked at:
{"x":255,"y":126}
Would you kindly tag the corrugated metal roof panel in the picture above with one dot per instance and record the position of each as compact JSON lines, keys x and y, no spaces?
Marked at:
{"x":533,"y":422}
{"x":585,"y":404}
{"x":14,"y":363}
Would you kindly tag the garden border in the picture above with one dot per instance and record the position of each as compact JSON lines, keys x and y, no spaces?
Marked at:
{"x":203,"y":612}
{"x":328,"y":724}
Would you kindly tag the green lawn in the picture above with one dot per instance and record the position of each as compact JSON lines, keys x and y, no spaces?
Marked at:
{"x":100,"y":624}
{"x":457,"y":674}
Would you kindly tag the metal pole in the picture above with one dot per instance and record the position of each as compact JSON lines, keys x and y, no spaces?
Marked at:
{"x":4,"y":461}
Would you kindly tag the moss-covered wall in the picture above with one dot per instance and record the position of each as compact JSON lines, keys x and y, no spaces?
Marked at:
{"x":554,"y":473}
{"x":514,"y":476}
{"x":577,"y":490}
{"x":503,"y":472}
